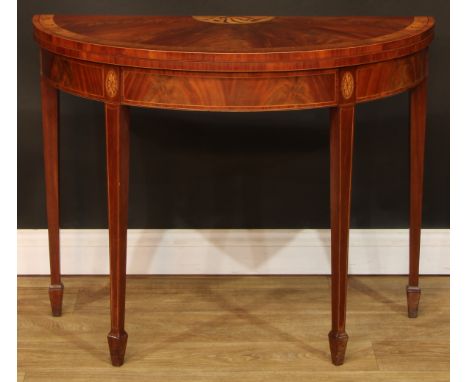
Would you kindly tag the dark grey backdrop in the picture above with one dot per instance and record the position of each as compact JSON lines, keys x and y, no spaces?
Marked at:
{"x":237,"y":170}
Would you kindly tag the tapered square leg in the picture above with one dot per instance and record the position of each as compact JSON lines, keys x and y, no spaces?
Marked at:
{"x":50,"y":137}
{"x":341,"y":152}
{"x":418,"y":99}
{"x":117,"y":141}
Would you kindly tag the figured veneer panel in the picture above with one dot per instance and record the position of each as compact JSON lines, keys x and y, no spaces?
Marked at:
{"x":390,"y":77}
{"x":228,"y":92}
{"x":82,"y":78}
{"x":280,"y":43}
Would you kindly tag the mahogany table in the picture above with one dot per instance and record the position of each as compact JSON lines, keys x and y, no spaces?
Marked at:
{"x":232,"y":64}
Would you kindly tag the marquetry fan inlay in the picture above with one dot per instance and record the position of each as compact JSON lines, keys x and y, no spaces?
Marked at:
{"x":347,"y":85}
{"x":233,"y":19}
{"x":111,"y":83}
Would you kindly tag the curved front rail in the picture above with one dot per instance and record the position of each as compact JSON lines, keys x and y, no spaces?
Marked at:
{"x":250,"y":91}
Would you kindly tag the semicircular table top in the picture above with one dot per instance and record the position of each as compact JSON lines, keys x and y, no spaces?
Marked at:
{"x":233,"y":42}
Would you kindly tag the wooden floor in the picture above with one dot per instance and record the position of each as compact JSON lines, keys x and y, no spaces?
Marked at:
{"x":234,"y":328}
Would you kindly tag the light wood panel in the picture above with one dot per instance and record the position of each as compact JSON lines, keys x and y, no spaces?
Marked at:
{"x":231,"y":328}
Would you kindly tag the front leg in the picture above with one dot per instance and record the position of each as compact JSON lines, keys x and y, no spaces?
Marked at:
{"x":50,"y":137}
{"x":117,"y":140}
{"x":418,"y":97}
{"x":341,"y":152}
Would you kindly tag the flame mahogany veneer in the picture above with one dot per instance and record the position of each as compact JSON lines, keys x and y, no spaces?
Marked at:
{"x":235,"y":64}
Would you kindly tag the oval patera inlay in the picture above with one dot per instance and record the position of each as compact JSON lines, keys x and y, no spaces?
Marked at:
{"x":347,"y":85}
{"x":112,"y":84}
{"x":233,"y":19}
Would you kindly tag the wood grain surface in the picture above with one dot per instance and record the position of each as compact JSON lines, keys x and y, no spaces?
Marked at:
{"x":230,"y":91}
{"x":234,"y":328}
{"x":185,"y":43}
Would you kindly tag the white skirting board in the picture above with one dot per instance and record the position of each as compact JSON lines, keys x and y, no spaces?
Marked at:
{"x":234,"y":251}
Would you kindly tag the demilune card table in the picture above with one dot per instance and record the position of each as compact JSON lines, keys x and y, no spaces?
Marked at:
{"x":232,"y":64}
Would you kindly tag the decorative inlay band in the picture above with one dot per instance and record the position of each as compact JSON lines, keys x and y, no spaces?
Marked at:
{"x":111,"y":83}
{"x":347,"y":85}
{"x":233,"y":19}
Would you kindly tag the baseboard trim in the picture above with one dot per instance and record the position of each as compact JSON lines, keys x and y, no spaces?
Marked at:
{"x":234,"y":251}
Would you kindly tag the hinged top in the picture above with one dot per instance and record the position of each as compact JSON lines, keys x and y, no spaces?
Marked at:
{"x":233,"y":43}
